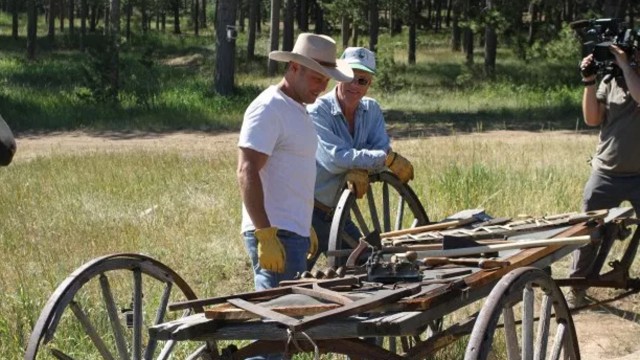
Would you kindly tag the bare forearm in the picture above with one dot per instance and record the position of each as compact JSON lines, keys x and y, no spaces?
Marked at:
{"x":590,"y":106}
{"x":253,"y":198}
{"x":632,"y":80}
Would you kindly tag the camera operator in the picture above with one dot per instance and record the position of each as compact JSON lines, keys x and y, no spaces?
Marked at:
{"x":615,"y":177}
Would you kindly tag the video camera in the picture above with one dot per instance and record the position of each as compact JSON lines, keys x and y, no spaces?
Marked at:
{"x":598,"y":34}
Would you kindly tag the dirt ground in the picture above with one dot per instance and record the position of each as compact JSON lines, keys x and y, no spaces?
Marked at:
{"x":606,"y":333}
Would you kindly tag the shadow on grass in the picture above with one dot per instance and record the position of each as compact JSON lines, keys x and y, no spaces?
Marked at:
{"x":404,"y":124}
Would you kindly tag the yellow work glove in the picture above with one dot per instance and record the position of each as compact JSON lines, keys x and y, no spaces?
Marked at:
{"x":400,"y":166}
{"x":271,"y":253}
{"x":313,"y":244}
{"x":358,"y":182}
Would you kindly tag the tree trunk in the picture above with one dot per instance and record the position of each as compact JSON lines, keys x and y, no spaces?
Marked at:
{"x":93,"y":20}
{"x":107,"y":25}
{"x":72,"y":16}
{"x":84,"y":7}
{"x":225,"y":48}
{"x":354,"y":34}
{"x":468,"y":45}
{"x":412,"y":32}
{"x":60,"y":10}
{"x":241,"y":15}
{"x":14,"y":19}
{"x":144,"y":13}
{"x":456,"y":32}
{"x":437,"y":16}
{"x":51,"y":19}
{"x":253,"y":26}
{"x":196,"y":17}
{"x":319,"y":19}
{"x":176,"y":17}
{"x":533,"y":12}
{"x":203,"y":15}
{"x":32,"y":29}
{"x":373,"y":25}
{"x":114,"y":33}
{"x":490,"y":45}
{"x":303,"y":21}
{"x":129,"y":13}
{"x":274,"y":34}
{"x":287,"y":35}
{"x":345,"y":30}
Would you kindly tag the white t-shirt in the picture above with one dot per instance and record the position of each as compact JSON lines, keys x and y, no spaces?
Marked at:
{"x":276,"y":125}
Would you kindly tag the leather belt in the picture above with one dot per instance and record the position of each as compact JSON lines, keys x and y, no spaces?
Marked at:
{"x":322,"y":207}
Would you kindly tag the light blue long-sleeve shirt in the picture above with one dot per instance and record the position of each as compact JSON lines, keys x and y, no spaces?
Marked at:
{"x":338,"y":151}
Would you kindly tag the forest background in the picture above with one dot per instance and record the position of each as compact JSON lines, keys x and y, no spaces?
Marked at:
{"x":195,"y":64}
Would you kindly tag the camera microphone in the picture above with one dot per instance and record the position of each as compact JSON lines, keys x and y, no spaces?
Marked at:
{"x":579,"y":24}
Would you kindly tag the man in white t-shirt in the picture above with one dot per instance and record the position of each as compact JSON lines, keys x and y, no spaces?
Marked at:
{"x":276,"y":162}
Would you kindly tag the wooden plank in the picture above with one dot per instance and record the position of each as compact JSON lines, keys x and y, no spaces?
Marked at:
{"x":263,"y":294}
{"x":357,"y":307}
{"x":323,"y":294}
{"x":264,"y":312}
{"x":228,"y":312}
{"x":523,"y":244}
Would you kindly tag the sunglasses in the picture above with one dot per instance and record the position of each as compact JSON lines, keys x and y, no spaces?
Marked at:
{"x":361,"y":81}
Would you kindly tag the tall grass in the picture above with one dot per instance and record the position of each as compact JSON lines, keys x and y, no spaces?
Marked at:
{"x":181,"y":206}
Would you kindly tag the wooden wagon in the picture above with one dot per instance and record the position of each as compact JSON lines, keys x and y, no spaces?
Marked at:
{"x":391,"y":298}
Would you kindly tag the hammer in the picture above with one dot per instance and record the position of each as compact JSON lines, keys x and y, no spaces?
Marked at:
{"x":482,"y":263}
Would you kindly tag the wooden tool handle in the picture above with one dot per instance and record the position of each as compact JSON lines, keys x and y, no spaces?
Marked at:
{"x":482,"y":263}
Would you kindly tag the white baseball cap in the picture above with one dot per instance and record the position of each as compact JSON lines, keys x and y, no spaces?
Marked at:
{"x":360,"y":58}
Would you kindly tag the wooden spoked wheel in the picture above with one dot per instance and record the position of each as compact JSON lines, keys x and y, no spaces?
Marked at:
{"x":104,"y":308}
{"x":524,"y":317}
{"x":388,"y":205}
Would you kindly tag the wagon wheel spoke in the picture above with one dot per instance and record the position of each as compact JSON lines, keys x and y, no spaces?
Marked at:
{"x":90,"y":299}
{"x":362,"y":224}
{"x":386,"y":209}
{"x":510,"y":334}
{"x":112,"y":311}
{"x":543,"y":329}
{"x":400,"y":214}
{"x":558,"y":342}
{"x":373,"y":211}
{"x":516,"y":296}
{"x":527,"y":322}
{"x":90,"y":330}
{"x":60,"y":355}
{"x":137,"y":314}
{"x":379,"y":211}
{"x":162,"y":309}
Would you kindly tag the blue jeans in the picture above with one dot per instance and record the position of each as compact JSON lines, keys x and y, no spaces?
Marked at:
{"x":321,"y":222}
{"x":296,"y":248}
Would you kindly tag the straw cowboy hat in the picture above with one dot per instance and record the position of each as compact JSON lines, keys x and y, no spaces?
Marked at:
{"x":317,"y":52}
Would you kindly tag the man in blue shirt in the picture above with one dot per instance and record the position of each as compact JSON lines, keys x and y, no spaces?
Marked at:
{"x":352,"y":140}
